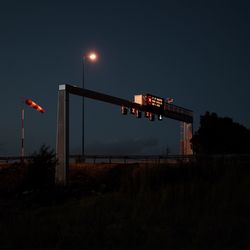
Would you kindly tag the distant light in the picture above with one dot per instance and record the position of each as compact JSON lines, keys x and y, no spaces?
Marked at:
{"x":160,"y":117}
{"x":146,"y":114}
{"x":124,"y":110}
{"x":132,"y":111}
{"x":92,"y":56}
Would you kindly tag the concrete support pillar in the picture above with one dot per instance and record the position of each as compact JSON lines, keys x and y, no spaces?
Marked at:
{"x":186,"y":136}
{"x":62,"y":141}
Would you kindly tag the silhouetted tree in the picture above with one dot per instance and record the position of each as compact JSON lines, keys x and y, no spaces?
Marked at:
{"x":41,"y":168}
{"x":218,"y":135}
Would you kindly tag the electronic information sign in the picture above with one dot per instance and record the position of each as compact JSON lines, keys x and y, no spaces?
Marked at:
{"x":154,"y":101}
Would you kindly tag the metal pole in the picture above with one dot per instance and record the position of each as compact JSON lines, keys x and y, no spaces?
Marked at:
{"x":83,"y":131}
{"x":22,"y":143}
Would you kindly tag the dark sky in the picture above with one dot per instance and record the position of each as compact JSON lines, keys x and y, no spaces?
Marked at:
{"x":194,"y":51}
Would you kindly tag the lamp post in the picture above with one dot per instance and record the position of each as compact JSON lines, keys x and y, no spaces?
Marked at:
{"x":92,"y":57}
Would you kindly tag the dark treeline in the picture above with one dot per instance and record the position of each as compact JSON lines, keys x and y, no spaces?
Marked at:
{"x":220,"y":135}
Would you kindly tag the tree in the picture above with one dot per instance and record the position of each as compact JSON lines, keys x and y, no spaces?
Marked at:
{"x":41,"y":168}
{"x":218,"y":135}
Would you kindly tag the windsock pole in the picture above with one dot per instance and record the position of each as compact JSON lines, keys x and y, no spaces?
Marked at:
{"x":32,"y":104}
{"x":22,"y":143}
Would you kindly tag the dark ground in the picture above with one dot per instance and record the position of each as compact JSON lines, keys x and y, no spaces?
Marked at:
{"x":201,"y":205}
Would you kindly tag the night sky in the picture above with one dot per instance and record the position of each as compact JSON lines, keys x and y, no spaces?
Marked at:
{"x":194,"y":51}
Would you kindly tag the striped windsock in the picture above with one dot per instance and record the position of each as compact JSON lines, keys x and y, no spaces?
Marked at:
{"x":34,"y":105}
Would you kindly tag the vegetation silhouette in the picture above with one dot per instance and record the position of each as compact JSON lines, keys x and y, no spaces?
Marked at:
{"x":134,"y":206}
{"x":40,"y":171}
{"x":220,"y":135}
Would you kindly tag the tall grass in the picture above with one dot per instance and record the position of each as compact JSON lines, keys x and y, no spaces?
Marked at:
{"x":204,"y":205}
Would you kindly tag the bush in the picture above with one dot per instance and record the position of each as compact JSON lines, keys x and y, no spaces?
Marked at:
{"x":220,"y":135}
{"x":40,"y":170}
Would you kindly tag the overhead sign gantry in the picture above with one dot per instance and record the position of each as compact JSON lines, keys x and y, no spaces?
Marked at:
{"x":149,"y":104}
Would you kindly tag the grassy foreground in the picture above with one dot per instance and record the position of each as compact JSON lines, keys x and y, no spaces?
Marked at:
{"x":205,"y":205}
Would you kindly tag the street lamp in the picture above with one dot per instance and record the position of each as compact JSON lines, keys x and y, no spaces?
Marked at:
{"x":92,"y":57}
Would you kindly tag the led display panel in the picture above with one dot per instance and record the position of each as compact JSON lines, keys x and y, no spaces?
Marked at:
{"x":154,"y":101}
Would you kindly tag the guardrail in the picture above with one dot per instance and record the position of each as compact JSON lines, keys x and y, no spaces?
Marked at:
{"x":141,"y":158}
{"x":111,"y":158}
{"x":130,"y":158}
{"x":14,"y":158}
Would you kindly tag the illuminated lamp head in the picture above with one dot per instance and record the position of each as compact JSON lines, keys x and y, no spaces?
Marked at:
{"x":91,"y":56}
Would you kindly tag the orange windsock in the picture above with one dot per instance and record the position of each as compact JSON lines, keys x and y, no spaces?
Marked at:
{"x":34,"y":105}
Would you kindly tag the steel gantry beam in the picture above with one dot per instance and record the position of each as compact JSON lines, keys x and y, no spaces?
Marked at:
{"x":62,"y":143}
{"x":170,"y":110}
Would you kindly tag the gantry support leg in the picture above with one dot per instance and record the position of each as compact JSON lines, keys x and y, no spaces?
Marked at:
{"x":62,"y":141}
{"x":186,"y":136}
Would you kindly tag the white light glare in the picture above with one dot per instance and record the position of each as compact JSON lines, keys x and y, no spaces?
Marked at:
{"x":92,"y":56}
